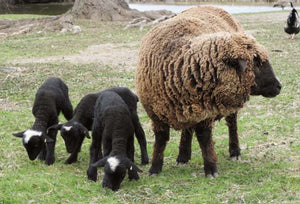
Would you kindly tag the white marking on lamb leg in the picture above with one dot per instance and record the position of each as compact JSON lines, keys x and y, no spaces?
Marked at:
{"x":67,"y":128}
{"x":30,"y":133}
{"x":113,"y":163}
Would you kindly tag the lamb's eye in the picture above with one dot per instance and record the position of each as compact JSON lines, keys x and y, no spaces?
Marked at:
{"x":249,"y":47}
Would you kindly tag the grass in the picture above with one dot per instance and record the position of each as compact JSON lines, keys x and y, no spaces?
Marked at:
{"x":268,"y":128}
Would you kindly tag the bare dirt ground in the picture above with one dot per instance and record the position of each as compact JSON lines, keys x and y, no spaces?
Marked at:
{"x":125,"y":54}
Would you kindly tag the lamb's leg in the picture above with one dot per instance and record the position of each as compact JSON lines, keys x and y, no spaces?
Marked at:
{"x":74,"y":155}
{"x":132,"y":174}
{"x":50,"y":146}
{"x":140,"y":135}
{"x":67,"y":108}
{"x":42,"y":154}
{"x":204,"y":136}
{"x":95,"y":154}
{"x":185,"y":146}
{"x":234,"y":148}
{"x":161,"y":132}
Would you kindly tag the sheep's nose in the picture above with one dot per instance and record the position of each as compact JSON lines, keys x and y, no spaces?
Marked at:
{"x":279,"y":86}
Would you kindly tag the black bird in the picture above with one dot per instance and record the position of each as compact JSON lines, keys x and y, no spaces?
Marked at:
{"x":292,"y":26}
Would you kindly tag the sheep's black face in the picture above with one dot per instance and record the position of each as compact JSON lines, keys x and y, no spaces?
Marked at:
{"x":34,"y":146}
{"x":70,"y":137}
{"x":267,"y":84}
{"x":73,"y":134}
{"x":113,"y":179}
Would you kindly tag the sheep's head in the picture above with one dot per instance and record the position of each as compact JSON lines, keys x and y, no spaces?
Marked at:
{"x":266,"y":83}
{"x":33,"y":141}
{"x":73,"y":134}
{"x":115,"y":168}
{"x":246,"y":53}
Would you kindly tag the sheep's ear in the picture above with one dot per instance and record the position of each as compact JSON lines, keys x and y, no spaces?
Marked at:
{"x":130,"y":165}
{"x":242,"y":65}
{"x":100,"y":163}
{"x":19,"y":134}
{"x":55,"y":127}
{"x":47,"y":138}
{"x":85,"y":131}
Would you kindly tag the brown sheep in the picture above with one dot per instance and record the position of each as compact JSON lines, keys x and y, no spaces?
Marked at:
{"x":192,"y":69}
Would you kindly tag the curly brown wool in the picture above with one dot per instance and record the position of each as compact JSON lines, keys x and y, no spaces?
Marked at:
{"x":186,"y":72}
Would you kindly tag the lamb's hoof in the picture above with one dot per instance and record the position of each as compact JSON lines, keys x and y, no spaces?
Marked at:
{"x":42,"y":157}
{"x":70,"y":161}
{"x":133,"y":175}
{"x":50,"y":160}
{"x":145,"y":161}
{"x":92,"y":174}
{"x":211,"y":176}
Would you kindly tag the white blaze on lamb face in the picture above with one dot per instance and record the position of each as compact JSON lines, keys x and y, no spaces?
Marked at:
{"x":67,"y":128}
{"x":113,"y":163}
{"x":30,"y":133}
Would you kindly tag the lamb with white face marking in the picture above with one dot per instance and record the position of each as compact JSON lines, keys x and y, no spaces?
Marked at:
{"x":51,"y":98}
{"x":75,"y":130}
{"x":114,"y":129}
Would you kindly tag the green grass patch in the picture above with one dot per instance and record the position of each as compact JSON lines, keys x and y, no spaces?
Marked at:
{"x":268,"y":128}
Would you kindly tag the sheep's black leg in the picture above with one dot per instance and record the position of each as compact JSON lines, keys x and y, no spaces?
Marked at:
{"x":234,"y":148}
{"x":132,"y":174}
{"x":50,"y":146}
{"x":42,"y":154}
{"x":95,"y":151}
{"x":204,"y":136}
{"x":67,"y":109}
{"x":185,"y":146}
{"x":161,"y":132}
{"x":140,"y":135}
{"x":74,"y":155}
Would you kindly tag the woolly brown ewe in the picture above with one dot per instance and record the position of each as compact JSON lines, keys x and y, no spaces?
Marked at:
{"x":194,"y":68}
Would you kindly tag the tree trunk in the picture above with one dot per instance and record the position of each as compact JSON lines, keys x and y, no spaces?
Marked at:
{"x":110,"y":10}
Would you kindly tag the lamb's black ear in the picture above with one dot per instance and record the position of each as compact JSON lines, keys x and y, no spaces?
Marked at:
{"x":47,"y":138}
{"x":130,"y":165}
{"x":100,"y":163}
{"x":55,"y":127}
{"x":85,"y":131}
{"x":19,"y":134}
{"x":242,"y":65}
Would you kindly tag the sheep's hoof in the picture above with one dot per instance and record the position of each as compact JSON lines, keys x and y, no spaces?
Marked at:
{"x":183,"y":158}
{"x":235,"y":158}
{"x":211,"y":176}
{"x":235,"y":154}
{"x":181,"y":163}
{"x":210,"y":169}
{"x":154,"y":170}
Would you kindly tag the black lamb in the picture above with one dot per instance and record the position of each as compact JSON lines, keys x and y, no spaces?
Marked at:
{"x":113,"y":128}
{"x":51,"y":98}
{"x":292,"y":26}
{"x":75,"y":130}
